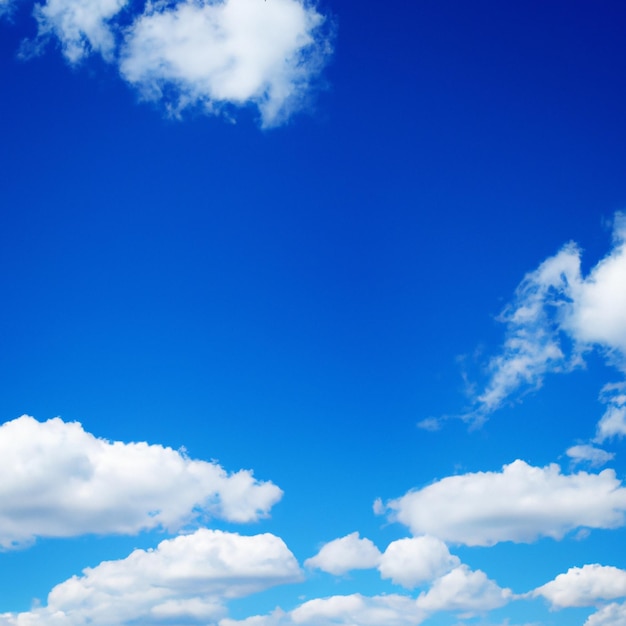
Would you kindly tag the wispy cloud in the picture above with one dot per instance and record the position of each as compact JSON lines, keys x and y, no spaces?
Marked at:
{"x":613,"y":422}
{"x":555,"y":317}
{"x":60,"y":481}
{"x":81,"y":26}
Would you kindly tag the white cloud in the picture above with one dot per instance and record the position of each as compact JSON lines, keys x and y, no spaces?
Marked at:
{"x":414,"y":561}
{"x":613,"y":422}
{"x":611,"y":615}
{"x":232,"y":52}
{"x":590,"y":454}
{"x":464,"y":590}
{"x":387,"y":610}
{"x":60,"y":481}
{"x":206,"y":54}
{"x":81,"y":26}
{"x":552,"y":303}
{"x":347,"y":553}
{"x":598,"y":311}
{"x":184,"y":580}
{"x":521,"y":503}
{"x":584,"y":586}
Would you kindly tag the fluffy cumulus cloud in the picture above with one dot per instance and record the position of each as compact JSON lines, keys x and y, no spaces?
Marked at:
{"x":184,"y":580}
{"x":347,"y":553}
{"x":611,"y":615}
{"x":584,"y":586}
{"x":236,"y":52}
{"x":390,"y":610}
{"x":414,"y":561}
{"x":520,"y":503}
{"x":60,"y":481}
{"x":206,"y":54}
{"x":557,"y":314}
{"x":464,"y":590}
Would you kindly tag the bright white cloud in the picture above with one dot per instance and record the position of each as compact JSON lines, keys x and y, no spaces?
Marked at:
{"x":553,"y":302}
{"x":388,"y":610}
{"x":207,"y":54}
{"x":584,"y":586}
{"x":611,"y":615}
{"x":613,"y":422}
{"x":597,"y":314}
{"x":60,"y":481}
{"x":232,"y":52}
{"x":590,"y":454}
{"x":465,"y":591}
{"x":521,"y":503}
{"x":414,"y":561}
{"x":81,"y":26}
{"x":347,"y":553}
{"x":184,"y":580}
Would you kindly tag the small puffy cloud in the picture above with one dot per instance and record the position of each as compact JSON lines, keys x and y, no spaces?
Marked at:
{"x":81,"y":26}
{"x":613,"y":422}
{"x":521,"y":503}
{"x":390,"y":610}
{"x":555,"y":316}
{"x":611,"y":615}
{"x":184,"y":580}
{"x":234,"y":52}
{"x":414,"y":561}
{"x":590,"y":454}
{"x":465,"y":591}
{"x":347,"y":553}
{"x":584,"y":586}
{"x":60,"y":481}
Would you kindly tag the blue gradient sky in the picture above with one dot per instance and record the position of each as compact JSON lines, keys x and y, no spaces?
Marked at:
{"x":295,"y":300}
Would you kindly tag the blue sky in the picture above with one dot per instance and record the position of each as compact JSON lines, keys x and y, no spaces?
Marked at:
{"x":312,"y":314}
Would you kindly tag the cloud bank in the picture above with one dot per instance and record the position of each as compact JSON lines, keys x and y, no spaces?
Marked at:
{"x":184,"y":580}
{"x":60,"y":481}
{"x":210,"y":55}
{"x":520,"y":504}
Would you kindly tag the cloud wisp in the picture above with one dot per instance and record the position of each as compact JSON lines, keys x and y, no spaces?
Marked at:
{"x":60,"y":481}
{"x":557,"y":315}
{"x":209,"y":55}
